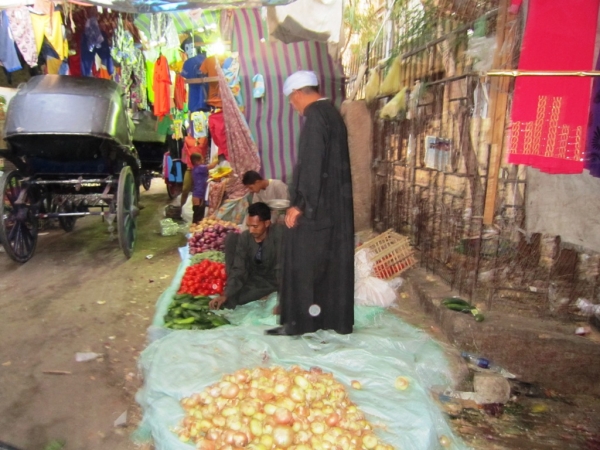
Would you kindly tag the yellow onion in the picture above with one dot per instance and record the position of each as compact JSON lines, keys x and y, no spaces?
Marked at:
{"x":401,"y":383}
{"x":283,"y":416}
{"x":283,"y":436}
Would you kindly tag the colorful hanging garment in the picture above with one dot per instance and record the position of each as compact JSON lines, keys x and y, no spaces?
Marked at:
{"x":50,"y":27}
{"x":550,"y":113}
{"x":243,"y":152}
{"x":162,"y":87}
{"x":8,"y":52}
{"x":22,"y":31}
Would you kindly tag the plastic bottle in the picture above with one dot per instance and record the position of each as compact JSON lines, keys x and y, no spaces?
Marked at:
{"x":484,"y":363}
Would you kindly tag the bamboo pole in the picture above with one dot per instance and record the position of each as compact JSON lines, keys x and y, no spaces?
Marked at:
{"x":498,"y":105}
{"x":543,"y":73}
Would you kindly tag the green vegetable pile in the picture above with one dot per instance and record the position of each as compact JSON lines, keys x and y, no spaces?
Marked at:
{"x":211,"y":255}
{"x":187,"y":312}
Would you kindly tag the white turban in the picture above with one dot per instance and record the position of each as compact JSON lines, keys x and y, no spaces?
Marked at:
{"x":298,"y":80}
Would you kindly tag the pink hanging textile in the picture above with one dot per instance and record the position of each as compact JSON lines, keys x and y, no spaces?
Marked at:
{"x":243,"y":152}
{"x":22,"y":31}
{"x":550,"y":113}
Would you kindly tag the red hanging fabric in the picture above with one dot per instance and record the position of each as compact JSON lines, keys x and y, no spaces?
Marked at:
{"x":243,"y":151}
{"x":550,"y":113}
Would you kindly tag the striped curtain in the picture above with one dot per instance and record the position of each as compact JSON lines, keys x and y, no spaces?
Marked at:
{"x":273,"y":122}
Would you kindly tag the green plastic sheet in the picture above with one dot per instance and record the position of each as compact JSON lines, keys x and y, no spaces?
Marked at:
{"x":179,"y":363}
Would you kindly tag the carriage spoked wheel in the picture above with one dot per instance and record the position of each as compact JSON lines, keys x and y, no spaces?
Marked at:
{"x":19,"y":224}
{"x":146,"y":180}
{"x":127,"y":210}
{"x":67,"y":223}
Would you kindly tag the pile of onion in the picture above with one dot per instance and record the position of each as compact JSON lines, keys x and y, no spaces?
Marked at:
{"x":274,"y":408}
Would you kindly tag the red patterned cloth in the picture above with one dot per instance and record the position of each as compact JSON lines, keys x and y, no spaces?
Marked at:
{"x":550,"y":113}
{"x":243,"y":151}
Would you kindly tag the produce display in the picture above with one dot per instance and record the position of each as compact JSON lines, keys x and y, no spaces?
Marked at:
{"x":274,"y":408}
{"x":187,"y":312}
{"x":211,"y":255}
{"x":208,"y":222}
{"x":205,"y":278}
{"x":209,"y":234}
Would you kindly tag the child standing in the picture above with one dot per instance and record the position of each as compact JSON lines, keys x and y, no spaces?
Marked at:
{"x":200,"y":181}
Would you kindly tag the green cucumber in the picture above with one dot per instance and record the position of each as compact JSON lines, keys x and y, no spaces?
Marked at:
{"x":187,"y":320}
{"x":455,"y":301}
{"x":193,"y":306}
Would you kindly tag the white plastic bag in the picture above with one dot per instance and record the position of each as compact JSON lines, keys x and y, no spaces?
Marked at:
{"x":369,"y":290}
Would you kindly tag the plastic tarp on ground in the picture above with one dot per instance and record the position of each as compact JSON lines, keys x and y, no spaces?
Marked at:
{"x":179,"y":363}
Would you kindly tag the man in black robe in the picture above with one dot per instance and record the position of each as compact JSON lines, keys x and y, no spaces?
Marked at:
{"x":317,"y":289}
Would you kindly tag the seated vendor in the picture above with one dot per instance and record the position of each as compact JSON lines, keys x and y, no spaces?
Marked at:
{"x":265,"y":190}
{"x":252,"y":260}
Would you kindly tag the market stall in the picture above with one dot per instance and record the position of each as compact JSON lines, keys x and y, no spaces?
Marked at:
{"x":210,"y":81}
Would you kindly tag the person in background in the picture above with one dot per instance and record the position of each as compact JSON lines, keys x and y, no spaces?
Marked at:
{"x":199,"y":181}
{"x":252,"y":260}
{"x":317,"y":289}
{"x":265,"y":190}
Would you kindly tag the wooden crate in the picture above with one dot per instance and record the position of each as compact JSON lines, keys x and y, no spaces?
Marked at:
{"x":392,"y":254}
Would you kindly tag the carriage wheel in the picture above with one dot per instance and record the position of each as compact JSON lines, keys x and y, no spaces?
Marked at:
{"x":66,"y":223}
{"x":127,"y":210}
{"x":173,"y":189}
{"x":146,"y":179}
{"x":18,"y":226}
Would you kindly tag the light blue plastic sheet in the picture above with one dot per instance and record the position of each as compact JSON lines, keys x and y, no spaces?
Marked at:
{"x":179,"y":363}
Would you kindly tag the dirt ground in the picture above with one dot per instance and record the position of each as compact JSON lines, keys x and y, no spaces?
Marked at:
{"x":79,"y":294}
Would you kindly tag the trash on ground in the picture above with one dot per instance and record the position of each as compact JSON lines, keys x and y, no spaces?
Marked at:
{"x":86,"y":356}
{"x":149,"y":256}
{"x":56,"y":372}
{"x":482,"y":364}
{"x":121,"y":420}
{"x":582,"y":331}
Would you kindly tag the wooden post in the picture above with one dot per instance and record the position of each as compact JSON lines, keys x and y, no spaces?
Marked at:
{"x":498,"y":103}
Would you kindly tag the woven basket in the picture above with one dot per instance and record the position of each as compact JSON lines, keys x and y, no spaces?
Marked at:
{"x":392,"y":254}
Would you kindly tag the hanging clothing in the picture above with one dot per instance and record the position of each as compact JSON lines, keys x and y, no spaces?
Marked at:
{"x":93,"y":35}
{"x":162,"y":87}
{"x":139,"y":92}
{"x":550,"y":114}
{"x":197,"y":92}
{"x":22,"y":32}
{"x":209,"y":67}
{"x":241,"y":148}
{"x":180,"y":93}
{"x":8,"y":52}
{"x":50,"y":27}
{"x":199,"y":124}
{"x":218,"y":133}
{"x":53,"y":65}
{"x":318,"y":263}
{"x":231,"y":69}
{"x":88,"y":57}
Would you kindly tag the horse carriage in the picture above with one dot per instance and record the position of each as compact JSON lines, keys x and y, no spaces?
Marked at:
{"x":71,"y":141}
